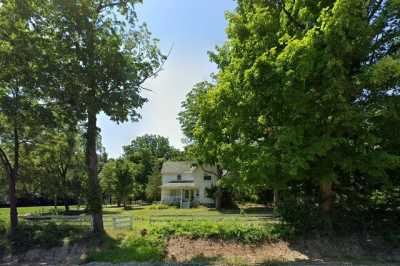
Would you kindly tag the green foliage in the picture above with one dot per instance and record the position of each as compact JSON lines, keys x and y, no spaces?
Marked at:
{"x":118,"y":178}
{"x":150,"y":151}
{"x":302,"y":214}
{"x":302,"y":92}
{"x":132,"y":248}
{"x":358,"y":206}
{"x":153,"y":190}
{"x":161,"y":207}
{"x":242,"y":232}
{"x":86,"y":39}
{"x":57,"y":163}
{"x":157,"y":146}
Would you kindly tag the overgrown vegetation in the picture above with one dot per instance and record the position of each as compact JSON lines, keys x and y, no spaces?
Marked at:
{"x":133,"y":247}
{"x":148,"y":243}
{"x":161,"y":206}
{"x":246,"y":233}
{"x":358,"y":209}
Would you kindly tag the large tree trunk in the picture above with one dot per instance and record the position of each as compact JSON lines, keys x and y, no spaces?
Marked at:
{"x":327,"y":196}
{"x":218,"y":196}
{"x":55,"y":201}
{"x":276,"y":198}
{"x":326,"y":204}
{"x":12,"y":184}
{"x":66,"y":205}
{"x":94,"y":197}
{"x":13,"y":201}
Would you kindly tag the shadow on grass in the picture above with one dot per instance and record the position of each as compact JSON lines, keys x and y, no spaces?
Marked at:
{"x":112,"y":211}
{"x":238,"y":261}
{"x":44,"y":235}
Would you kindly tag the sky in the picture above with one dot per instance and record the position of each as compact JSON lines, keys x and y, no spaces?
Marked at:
{"x":191,"y":28}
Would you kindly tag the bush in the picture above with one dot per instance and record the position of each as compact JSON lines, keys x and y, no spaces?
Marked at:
{"x":245,"y":233}
{"x":301,"y":214}
{"x":160,"y":206}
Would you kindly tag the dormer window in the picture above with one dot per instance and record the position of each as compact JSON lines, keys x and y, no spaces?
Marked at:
{"x":179,"y":177}
{"x":207,"y":178}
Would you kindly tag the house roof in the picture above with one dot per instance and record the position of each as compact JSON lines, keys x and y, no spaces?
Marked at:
{"x":178,"y":167}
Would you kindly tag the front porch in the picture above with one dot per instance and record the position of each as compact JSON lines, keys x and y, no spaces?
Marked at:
{"x":184,"y":195}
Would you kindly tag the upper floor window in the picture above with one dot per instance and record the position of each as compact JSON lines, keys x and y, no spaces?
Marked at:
{"x":179,"y":177}
{"x":207,"y":178}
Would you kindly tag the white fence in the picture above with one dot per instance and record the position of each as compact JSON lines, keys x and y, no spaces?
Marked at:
{"x":115,"y":222}
{"x":118,"y":222}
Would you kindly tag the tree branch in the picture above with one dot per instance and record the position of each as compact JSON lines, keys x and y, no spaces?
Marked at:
{"x":5,"y":161}
{"x":102,"y":6}
{"x":374,"y":7}
{"x":299,"y":25}
{"x":158,"y":70}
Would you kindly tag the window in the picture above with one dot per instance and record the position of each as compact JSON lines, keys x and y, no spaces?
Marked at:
{"x":179,"y":177}
{"x":207,"y":178}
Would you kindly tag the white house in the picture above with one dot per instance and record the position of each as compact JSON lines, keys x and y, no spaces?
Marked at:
{"x":185,"y":182}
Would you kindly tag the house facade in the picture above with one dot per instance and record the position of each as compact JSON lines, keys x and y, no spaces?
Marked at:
{"x":185,"y":183}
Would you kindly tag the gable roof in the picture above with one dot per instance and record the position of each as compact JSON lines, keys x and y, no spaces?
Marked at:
{"x":178,"y":167}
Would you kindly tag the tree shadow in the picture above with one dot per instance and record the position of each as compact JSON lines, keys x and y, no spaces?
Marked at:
{"x":107,"y":212}
{"x":45,"y":235}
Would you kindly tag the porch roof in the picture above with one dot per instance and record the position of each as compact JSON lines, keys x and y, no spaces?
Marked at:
{"x":179,"y":186}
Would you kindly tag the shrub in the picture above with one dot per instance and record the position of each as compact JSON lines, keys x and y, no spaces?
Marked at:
{"x":160,"y":206}
{"x":245,"y":233}
{"x":301,"y":214}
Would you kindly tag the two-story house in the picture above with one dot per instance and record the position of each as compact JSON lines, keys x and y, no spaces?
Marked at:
{"x":184,"y":183}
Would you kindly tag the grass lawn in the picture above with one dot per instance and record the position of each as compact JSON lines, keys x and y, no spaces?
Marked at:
{"x":5,"y":212}
{"x":148,"y":213}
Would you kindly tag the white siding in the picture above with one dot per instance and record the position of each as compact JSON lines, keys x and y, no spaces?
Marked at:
{"x":198,"y":177}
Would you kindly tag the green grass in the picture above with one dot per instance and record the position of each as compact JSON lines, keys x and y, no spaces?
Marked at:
{"x":147,"y":212}
{"x":5,"y":212}
{"x":132,"y":247}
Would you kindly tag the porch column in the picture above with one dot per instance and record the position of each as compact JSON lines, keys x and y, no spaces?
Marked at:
{"x":181,"y":197}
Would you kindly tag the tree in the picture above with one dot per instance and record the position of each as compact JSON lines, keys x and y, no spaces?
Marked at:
{"x":118,"y":179}
{"x":58,"y":159}
{"x":21,"y":112}
{"x":102,"y":58}
{"x":293,"y":89}
{"x":147,"y":151}
{"x":153,"y":188}
{"x":195,"y":105}
{"x":157,"y":146}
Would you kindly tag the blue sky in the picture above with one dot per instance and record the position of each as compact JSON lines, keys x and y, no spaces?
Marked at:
{"x":193,"y":27}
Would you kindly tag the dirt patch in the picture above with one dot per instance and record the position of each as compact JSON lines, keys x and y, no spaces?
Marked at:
{"x":185,"y":250}
{"x":317,"y":250}
{"x":66,"y":255}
